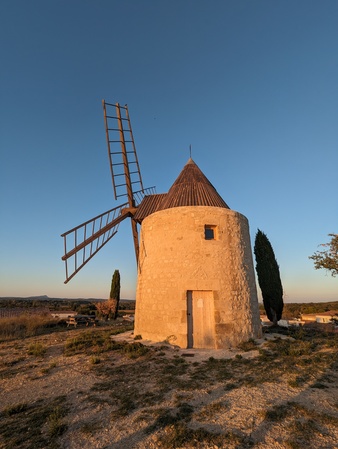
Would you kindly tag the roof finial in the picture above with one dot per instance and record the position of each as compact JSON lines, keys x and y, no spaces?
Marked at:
{"x":190,"y":150}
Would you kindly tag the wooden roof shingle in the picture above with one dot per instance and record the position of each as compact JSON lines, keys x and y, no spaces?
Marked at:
{"x":191,"y":188}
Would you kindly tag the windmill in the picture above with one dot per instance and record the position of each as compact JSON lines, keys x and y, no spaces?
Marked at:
{"x":195,"y":282}
{"x":85,"y":240}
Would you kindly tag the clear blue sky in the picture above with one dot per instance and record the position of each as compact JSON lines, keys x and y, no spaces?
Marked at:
{"x":251,"y":85}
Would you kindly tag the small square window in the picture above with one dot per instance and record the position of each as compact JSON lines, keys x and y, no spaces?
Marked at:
{"x":210,"y":232}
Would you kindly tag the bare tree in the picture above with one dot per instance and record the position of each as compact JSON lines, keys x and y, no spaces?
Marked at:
{"x":106,"y":309}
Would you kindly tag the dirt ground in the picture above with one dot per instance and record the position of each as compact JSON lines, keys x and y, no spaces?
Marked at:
{"x":278,"y":392}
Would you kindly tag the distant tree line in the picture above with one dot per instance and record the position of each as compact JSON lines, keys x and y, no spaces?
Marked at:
{"x":295,"y":310}
{"x":53,"y":304}
{"x":83,"y":307}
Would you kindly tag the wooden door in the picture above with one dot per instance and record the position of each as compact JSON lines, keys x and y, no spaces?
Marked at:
{"x":201,"y":323}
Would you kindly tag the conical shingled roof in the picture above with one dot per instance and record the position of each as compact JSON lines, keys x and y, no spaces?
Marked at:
{"x":191,"y":188}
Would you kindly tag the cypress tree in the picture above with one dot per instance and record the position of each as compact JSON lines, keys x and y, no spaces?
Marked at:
{"x":115,"y":293}
{"x":268,"y":277}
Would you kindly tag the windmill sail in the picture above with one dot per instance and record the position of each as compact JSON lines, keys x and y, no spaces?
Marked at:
{"x":124,"y":166}
{"x":84,"y":241}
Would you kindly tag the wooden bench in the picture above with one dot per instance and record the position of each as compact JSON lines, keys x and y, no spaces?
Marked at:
{"x":71,"y":321}
{"x":84,"y":321}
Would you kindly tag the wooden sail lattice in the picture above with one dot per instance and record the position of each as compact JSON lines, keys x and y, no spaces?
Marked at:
{"x":84,"y":241}
{"x":123,"y":160}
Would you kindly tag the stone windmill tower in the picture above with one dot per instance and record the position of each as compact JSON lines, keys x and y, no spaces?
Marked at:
{"x":196,"y":283}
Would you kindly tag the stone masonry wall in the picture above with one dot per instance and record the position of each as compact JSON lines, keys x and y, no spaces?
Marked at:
{"x":175,"y":258}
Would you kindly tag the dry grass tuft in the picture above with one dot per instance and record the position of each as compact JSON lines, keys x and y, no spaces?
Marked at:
{"x":24,"y":326}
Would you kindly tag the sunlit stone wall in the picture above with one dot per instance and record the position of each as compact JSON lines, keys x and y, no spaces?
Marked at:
{"x":175,"y":258}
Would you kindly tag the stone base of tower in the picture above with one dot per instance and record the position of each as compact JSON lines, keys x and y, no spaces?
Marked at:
{"x":196,"y":329}
{"x":195,"y":291}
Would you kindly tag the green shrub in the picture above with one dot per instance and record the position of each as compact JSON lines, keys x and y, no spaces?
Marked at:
{"x":14,"y":409}
{"x":135,"y":350}
{"x":95,"y":360}
{"x":278,"y":413}
{"x":249,"y":345}
{"x":21,"y":427}
{"x":55,"y":422}
{"x":36,"y":349}
{"x":92,"y":341}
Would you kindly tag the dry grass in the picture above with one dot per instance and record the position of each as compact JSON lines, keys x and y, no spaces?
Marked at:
{"x":37,"y":425}
{"x":24,"y":326}
{"x":128,"y":395}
